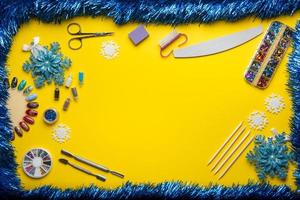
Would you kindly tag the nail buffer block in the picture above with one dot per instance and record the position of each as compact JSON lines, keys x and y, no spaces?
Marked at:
{"x":138,"y":35}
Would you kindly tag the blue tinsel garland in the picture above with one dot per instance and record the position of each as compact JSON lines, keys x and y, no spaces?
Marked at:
{"x":294,"y":87}
{"x":14,"y":13}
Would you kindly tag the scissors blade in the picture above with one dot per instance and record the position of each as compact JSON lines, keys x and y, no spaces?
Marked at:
{"x":104,"y":33}
{"x":219,"y":44}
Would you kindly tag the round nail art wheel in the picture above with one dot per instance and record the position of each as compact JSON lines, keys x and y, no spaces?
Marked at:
{"x":50,"y":116}
{"x":37,"y":163}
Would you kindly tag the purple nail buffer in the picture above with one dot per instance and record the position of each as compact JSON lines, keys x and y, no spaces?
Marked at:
{"x":138,"y":35}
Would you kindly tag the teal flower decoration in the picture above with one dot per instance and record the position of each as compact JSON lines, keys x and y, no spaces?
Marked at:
{"x":27,"y":66}
{"x":47,"y":65}
{"x":271,"y":156}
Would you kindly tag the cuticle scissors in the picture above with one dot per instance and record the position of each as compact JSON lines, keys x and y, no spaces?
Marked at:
{"x":83,"y":35}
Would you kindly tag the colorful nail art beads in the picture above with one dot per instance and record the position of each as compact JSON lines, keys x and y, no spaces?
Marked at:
{"x":50,"y":116}
{"x":269,"y":54}
{"x":37,"y":163}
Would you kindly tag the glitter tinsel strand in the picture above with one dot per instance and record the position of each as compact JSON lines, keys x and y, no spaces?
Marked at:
{"x":294,"y":89}
{"x":17,"y":12}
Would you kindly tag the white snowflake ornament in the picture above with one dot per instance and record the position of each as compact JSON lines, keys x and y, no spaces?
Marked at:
{"x":109,"y":49}
{"x":61,"y":133}
{"x":274,"y":103}
{"x":257,"y":120}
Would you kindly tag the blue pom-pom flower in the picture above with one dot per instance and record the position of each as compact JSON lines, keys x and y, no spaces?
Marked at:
{"x":271,"y":156}
{"x":47,"y":65}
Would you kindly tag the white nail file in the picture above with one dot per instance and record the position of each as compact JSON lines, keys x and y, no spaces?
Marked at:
{"x":219,"y":44}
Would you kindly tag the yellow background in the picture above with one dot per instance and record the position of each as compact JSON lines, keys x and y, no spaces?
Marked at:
{"x":152,"y":119}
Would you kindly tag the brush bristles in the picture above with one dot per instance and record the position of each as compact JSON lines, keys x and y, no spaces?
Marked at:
{"x":63,"y":161}
{"x":168,"y":39}
{"x":66,"y":153}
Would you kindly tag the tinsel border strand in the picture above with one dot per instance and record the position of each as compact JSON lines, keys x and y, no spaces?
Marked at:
{"x":172,"y":12}
{"x":15,"y":13}
{"x":168,"y":190}
{"x":294,"y":89}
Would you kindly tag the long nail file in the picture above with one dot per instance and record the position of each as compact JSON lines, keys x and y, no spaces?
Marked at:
{"x":219,"y":44}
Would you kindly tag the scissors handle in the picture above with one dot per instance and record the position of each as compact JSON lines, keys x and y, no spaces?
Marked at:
{"x":76,"y":32}
{"x":71,"y":43}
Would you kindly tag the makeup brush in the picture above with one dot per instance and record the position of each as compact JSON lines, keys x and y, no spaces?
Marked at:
{"x":90,"y":163}
{"x":66,"y":162}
